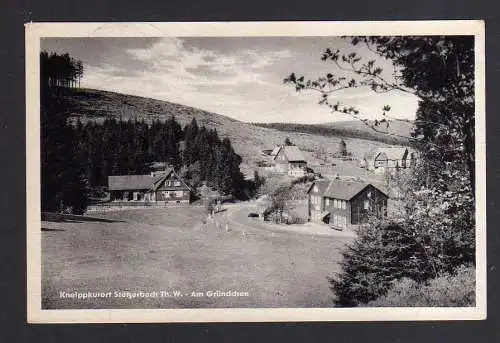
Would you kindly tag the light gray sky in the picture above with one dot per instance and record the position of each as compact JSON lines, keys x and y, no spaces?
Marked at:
{"x":237,"y":77}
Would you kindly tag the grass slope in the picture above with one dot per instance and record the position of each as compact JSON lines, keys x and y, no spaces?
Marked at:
{"x":170,"y":249}
{"x":248,"y":139}
{"x":396,"y":131}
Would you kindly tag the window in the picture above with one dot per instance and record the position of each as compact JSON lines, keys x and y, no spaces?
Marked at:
{"x":177,"y":183}
{"x":179,"y":194}
{"x":327,"y":202}
{"x":344,"y":204}
{"x":316,"y":201}
{"x":335,"y":203}
{"x":339,"y":221}
{"x":366,"y":204}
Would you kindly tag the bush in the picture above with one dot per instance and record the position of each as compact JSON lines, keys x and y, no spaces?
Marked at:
{"x":383,"y":251}
{"x":444,"y":291}
{"x":304,"y":179}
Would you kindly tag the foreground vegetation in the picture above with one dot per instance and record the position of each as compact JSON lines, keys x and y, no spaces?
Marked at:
{"x":446,"y":290}
{"x":432,"y":239}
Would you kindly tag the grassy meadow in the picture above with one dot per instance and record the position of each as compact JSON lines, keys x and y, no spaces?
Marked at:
{"x":172,"y":249}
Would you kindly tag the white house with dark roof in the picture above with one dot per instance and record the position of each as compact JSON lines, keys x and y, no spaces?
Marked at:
{"x":345,"y":203}
{"x":289,"y":159}
{"x":380,"y":159}
{"x":158,"y":187}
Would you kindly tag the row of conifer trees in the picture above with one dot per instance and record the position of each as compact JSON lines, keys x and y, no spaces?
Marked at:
{"x":129,"y":147}
{"x":79,"y":157}
{"x":76,"y":158}
{"x":60,"y":70}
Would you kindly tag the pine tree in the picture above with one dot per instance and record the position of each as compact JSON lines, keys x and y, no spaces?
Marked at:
{"x":63,"y":181}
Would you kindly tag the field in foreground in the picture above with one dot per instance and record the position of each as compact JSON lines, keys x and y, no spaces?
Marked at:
{"x":172,"y":250}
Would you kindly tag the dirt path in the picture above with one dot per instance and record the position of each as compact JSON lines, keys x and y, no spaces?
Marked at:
{"x":236,"y":216}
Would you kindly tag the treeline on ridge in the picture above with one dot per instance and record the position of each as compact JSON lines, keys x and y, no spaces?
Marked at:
{"x":60,"y":70}
{"x":331,"y":131}
{"x":77,"y":157}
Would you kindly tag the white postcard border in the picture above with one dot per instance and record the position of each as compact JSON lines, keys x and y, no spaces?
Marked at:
{"x":35,"y":31}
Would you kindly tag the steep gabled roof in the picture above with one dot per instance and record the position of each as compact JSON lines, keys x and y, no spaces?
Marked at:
{"x":344,"y":189}
{"x":341,"y":189}
{"x":293,"y":154}
{"x":321,"y":184}
{"x":275,"y":151}
{"x":130,"y":182}
{"x":393,"y":153}
{"x":140,"y":182}
{"x":163,"y":177}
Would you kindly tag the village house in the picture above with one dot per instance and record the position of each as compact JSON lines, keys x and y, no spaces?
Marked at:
{"x":158,"y":187}
{"x":345,"y":203}
{"x":289,"y":159}
{"x":275,"y":151}
{"x":381,"y":159}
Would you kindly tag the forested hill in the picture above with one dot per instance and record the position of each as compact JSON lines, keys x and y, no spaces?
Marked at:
{"x":355,"y":129}
{"x":247,"y":139}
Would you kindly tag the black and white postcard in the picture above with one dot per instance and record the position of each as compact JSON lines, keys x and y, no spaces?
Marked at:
{"x":255,"y":171}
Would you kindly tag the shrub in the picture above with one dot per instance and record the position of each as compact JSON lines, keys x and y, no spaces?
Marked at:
{"x":444,"y":291}
{"x":383,"y":251}
{"x":304,"y":179}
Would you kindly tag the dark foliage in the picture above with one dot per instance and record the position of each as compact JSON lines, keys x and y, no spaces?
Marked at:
{"x":127,"y":148}
{"x":382,"y":253}
{"x":435,"y":234}
{"x":64,"y":184}
{"x":60,"y":70}
{"x":76,"y":158}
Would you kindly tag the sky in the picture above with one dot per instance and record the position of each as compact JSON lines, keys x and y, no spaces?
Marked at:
{"x":239,"y":77}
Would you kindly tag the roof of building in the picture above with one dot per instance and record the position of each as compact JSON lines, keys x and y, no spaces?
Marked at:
{"x":292,"y":153}
{"x":321,"y":184}
{"x":131,"y":182}
{"x":275,"y":151}
{"x":136,"y":182}
{"x":393,"y":153}
{"x":341,"y":188}
{"x":158,"y":182}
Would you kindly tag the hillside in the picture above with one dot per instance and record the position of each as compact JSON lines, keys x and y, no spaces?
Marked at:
{"x":397,"y":130}
{"x":248,"y":139}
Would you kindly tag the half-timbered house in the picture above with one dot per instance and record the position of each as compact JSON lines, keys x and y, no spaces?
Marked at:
{"x":158,"y":187}
{"x":289,"y":159}
{"x":345,"y":203}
